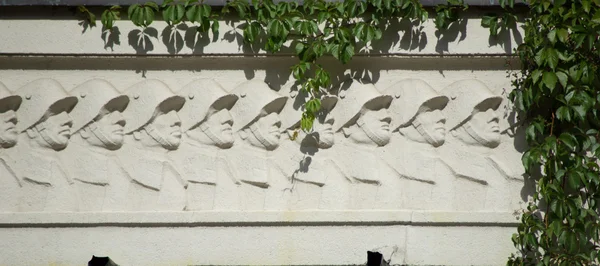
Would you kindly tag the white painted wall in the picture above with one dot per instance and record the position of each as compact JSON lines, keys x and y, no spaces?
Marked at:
{"x":362,"y":193}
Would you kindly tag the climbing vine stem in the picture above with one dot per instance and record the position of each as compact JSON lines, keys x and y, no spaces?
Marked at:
{"x":556,"y":92}
{"x":313,"y":30}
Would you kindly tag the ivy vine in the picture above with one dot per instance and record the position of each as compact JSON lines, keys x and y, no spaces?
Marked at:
{"x":556,"y":92}
{"x":317,"y":28}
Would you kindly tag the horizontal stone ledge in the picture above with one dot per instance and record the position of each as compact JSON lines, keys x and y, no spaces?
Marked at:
{"x":209,"y":2}
{"x":259,"y":218}
{"x":252,"y":63}
{"x":63,"y":34}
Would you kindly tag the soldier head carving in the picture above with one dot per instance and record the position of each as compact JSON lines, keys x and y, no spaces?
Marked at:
{"x":256,"y":114}
{"x":322,"y":134}
{"x":417,"y":110}
{"x":362,"y":114}
{"x":151,"y":115}
{"x":98,"y":118}
{"x":472,"y":113}
{"x":9,"y":104}
{"x":205,"y":117}
{"x":44,"y":114}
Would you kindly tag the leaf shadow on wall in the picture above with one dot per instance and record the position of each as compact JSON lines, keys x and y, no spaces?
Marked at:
{"x":456,"y":30}
{"x":172,"y":37}
{"x":196,"y":40}
{"x":505,"y":38}
{"x":141,"y":40}
{"x":405,"y":34}
{"x":111,"y":37}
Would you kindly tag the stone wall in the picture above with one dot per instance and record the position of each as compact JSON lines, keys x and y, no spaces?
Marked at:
{"x":116,"y":146}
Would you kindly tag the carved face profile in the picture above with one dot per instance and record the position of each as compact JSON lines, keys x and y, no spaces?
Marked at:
{"x":323,"y":130}
{"x":165,"y":128}
{"x":54,"y":130}
{"x":265,"y":131}
{"x":98,"y":116}
{"x":362,"y":114}
{"x":256,"y":114}
{"x":218,"y":127}
{"x":322,"y":134}
{"x":152,"y":114}
{"x":430,"y":122}
{"x":107,"y":130}
{"x":374,"y":120}
{"x":206,"y":116}
{"x":417,"y":111}
{"x":472,"y":113}
{"x":8,"y":128}
{"x":8,"y":118}
{"x":44,"y":113}
{"x":484,"y":125}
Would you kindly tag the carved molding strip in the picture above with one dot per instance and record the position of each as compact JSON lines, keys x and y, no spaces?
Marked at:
{"x":269,"y":218}
{"x":201,"y":147}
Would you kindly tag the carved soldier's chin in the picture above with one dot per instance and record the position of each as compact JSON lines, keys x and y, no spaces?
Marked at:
{"x":8,"y":135}
{"x":223,"y":139}
{"x":435,"y":138}
{"x":168,"y":140}
{"x":323,"y":135}
{"x":270,"y":140}
{"x":326,"y":141}
{"x":489,"y":137}
{"x":56,"y":139}
{"x":380,"y":136}
{"x":7,"y":140}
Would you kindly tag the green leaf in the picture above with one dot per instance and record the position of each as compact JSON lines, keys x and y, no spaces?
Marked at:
{"x":540,"y":57}
{"x":251,"y":32}
{"x":166,"y":3}
{"x":300,"y":47}
{"x":151,"y":5}
{"x":535,"y":75}
{"x":596,"y":17}
{"x":574,"y":180}
{"x":568,"y":140}
{"x":205,"y":10}
{"x":107,"y":18}
{"x":347,"y":53}
{"x":307,"y":121}
{"x":215,"y":27}
{"x":552,"y":58}
{"x":572,"y":243}
{"x":138,"y":17}
{"x":358,"y":30}
{"x":174,"y":13}
{"x":131,"y":10}
{"x":323,"y":16}
{"x":149,"y":14}
{"x":552,"y":36}
{"x":580,"y":111}
{"x":563,"y":113}
{"x":313,"y":105}
{"x":563,"y":35}
{"x":587,"y":5}
{"x":550,"y":79}
{"x":563,"y":78}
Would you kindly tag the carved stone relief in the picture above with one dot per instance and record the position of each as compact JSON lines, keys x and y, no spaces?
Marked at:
{"x":44,"y":127}
{"x":475,"y":131}
{"x":207,"y":129}
{"x":98,"y":130}
{"x":306,"y":160}
{"x":152,"y":129}
{"x":205,"y":147}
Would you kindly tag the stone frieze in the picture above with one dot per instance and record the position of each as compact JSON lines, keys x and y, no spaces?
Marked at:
{"x":201,"y":147}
